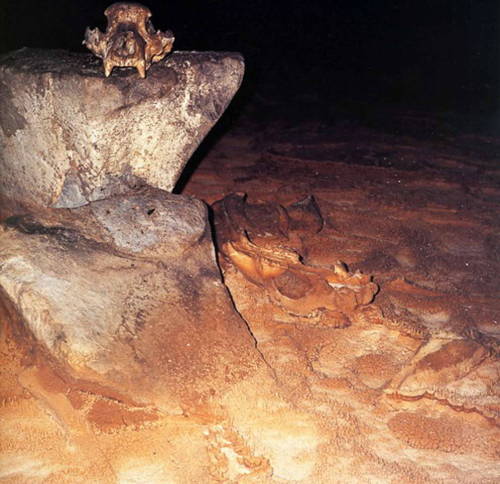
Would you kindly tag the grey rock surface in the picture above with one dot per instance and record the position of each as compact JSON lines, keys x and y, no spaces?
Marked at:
{"x":127,"y":297}
{"x":70,"y":136}
{"x":153,"y":226}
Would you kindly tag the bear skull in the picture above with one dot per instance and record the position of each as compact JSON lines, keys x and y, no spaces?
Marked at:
{"x":130,"y":39}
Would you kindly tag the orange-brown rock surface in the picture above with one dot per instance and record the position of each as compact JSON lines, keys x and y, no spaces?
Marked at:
{"x":408,"y":391}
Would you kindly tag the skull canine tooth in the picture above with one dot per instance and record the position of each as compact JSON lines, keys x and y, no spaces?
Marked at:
{"x":130,"y":39}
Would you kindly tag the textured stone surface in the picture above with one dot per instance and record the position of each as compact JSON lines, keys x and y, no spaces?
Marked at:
{"x":69,"y":135}
{"x":409,"y":396}
{"x":126,"y":292}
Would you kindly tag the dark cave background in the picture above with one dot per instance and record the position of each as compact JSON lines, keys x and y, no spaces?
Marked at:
{"x":314,"y":58}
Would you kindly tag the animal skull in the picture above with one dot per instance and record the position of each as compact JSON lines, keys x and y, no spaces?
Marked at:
{"x":130,"y":39}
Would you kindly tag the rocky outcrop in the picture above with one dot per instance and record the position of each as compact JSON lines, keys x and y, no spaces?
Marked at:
{"x":126,"y":292}
{"x":70,"y":136}
{"x":114,"y":278}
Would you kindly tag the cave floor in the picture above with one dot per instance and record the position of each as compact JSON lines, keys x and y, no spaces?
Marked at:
{"x":415,"y":203}
{"x":415,"y":398}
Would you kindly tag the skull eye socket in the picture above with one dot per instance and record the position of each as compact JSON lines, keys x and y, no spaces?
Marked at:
{"x":149,"y":28}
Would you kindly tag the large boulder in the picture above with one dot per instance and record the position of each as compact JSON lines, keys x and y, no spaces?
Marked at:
{"x":69,"y":135}
{"x":126,"y":293}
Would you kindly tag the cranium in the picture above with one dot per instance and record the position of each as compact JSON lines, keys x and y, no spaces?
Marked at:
{"x":260,"y":248}
{"x":130,"y":39}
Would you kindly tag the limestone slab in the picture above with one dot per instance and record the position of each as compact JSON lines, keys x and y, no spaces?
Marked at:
{"x":69,"y":135}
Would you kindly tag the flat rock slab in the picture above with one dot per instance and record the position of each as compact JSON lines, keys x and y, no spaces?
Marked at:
{"x":70,"y":136}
